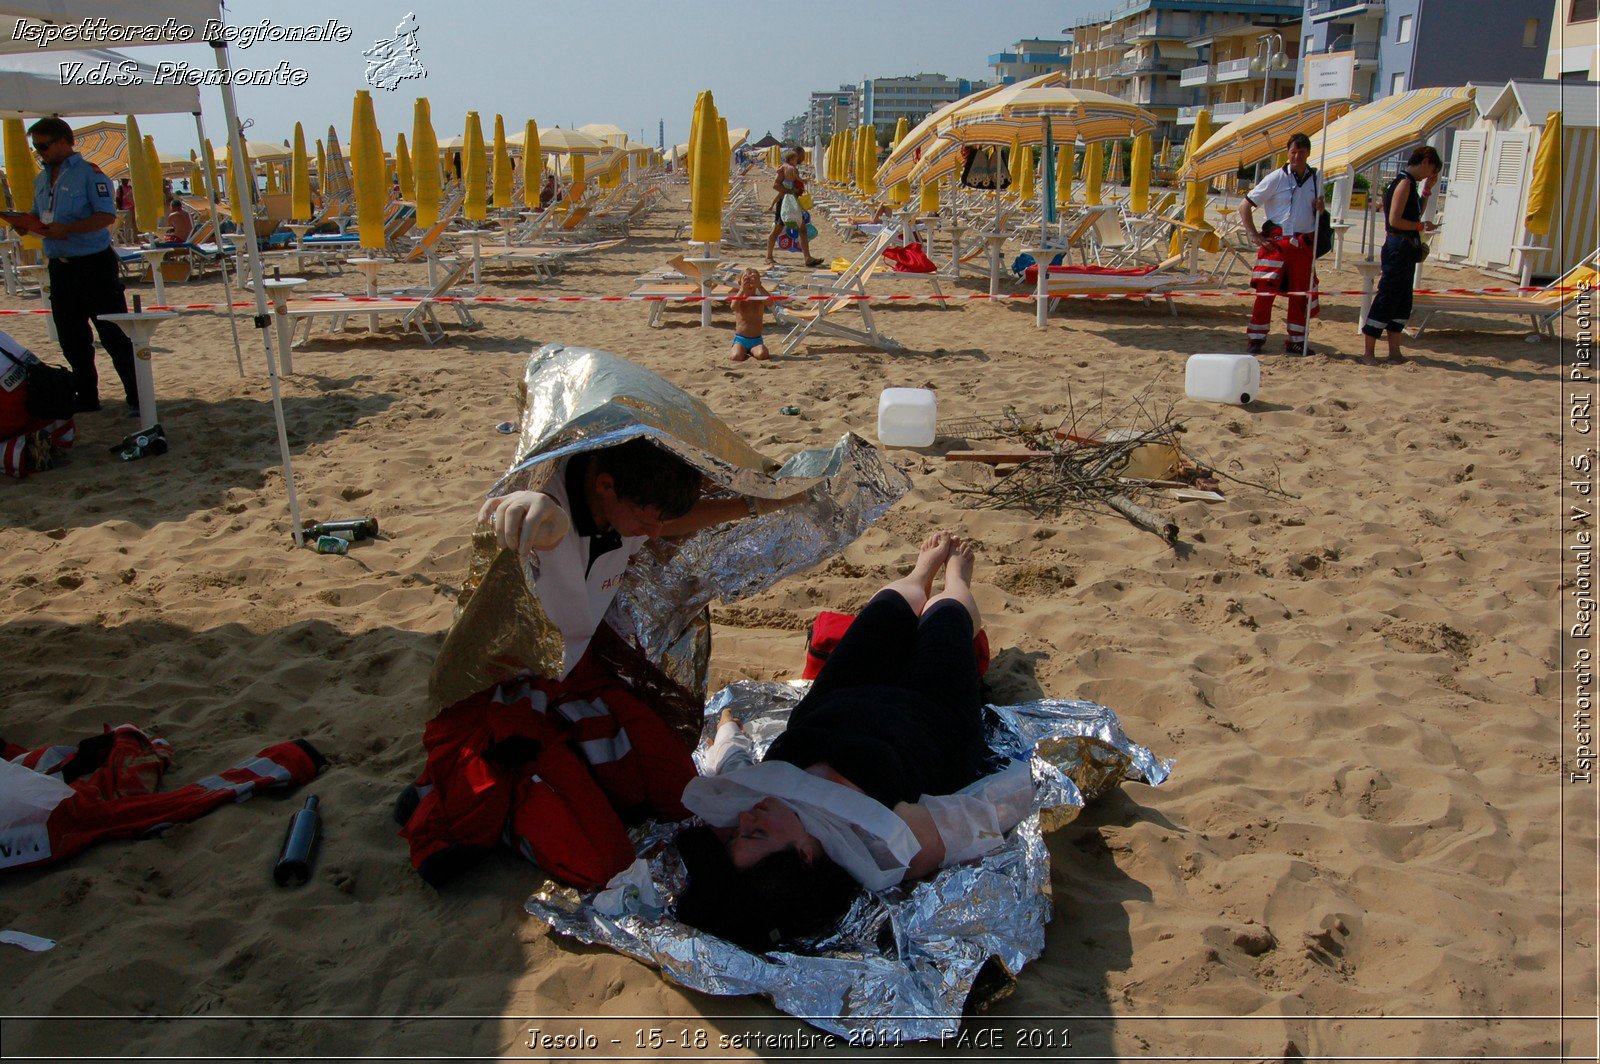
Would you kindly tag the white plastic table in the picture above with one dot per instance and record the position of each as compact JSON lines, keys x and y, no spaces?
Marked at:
{"x":708,"y":266}
{"x":40,"y":275}
{"x":140,"y":327}
{"x":476,"y":236}
{"x":278,"y":290}
{"x":369,"y":268}
{"x":154,"y":256}
{"x":1041,"y":259}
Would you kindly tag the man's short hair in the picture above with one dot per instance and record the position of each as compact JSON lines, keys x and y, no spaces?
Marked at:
{"x":52,"y":127}
{"x":647,"y":475}
{"x":1300,"y":140}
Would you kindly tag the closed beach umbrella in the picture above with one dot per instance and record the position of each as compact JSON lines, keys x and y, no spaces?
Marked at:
{"x":402,"y":165}
{"x":502,"y":165}
{"x":1064,"y":175}
{"x":473,"y":171}
{"x":20,"y":170}
{"x":152,"y":169}
{"x":1166,"y":149}
{"x":144,"y":208}
{"x":1114,"y":168}
{"x":900,"y":191}
{"x":706,"y":212}
{"x":426,"y":182}
{"x":1024,"y":184}
{"x":575,"y":162}
{"x":1014,"y":167}
{"x":197,"y":182}
{"x":208,"y":157}
{"x":1093,"y":169}
{"x":1194,"y":196}
{"x":300,"y":178}
{"x":1545,"y":192}
{"x":868,"y":181}
{"x":366,"y":158}
{"x":272,"y":177}
{"x":532,"y":164}
{"x":322,"y":164}
{"x":929,"y":202}
{"x":1139,"y":175}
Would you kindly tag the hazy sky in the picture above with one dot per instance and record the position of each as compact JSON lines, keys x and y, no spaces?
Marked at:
{"x":627,"y":62}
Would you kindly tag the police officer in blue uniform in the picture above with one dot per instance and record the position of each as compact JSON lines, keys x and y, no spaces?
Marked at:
{"x":74,"y":207}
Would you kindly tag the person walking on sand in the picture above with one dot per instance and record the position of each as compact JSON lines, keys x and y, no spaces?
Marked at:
{"x":788,"y":183}
{"x":1402,"y":250}
{"x":749,"y":319}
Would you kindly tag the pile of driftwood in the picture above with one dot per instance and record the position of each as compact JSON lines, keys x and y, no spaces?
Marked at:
{"x":1081,"y":463}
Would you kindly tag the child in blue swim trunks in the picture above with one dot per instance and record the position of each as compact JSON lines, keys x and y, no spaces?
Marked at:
{"x":749,"y":319}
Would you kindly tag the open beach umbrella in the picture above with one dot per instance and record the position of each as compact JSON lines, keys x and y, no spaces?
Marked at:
{"x":427,"y":182}
{"x":903,"y":159}
{"x":502,"y":165}
{"x":1020,"y":111}
{"x":532,"y":164}
{"x":366,"y":157}
{"x":452,"y":143}
{"x":1544,"y":194}
{"x":473,"y":171}
{"x":1384,"y":127}
{"x":736,"y":137}
{"x":300,"y":179}
{"x":1194,"y":196}
{"x":1139,"y":175}
{"x":1094,"y":166}
{"x":560,"y":141}
{"x":1258,"y":134}
{"x":606,"y":132}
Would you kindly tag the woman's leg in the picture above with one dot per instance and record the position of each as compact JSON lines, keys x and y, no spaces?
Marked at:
{"x":943,"y":668}
{"x":874,"y":647}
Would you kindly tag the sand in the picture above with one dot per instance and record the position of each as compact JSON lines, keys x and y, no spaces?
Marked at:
{"x":1358,"y":684}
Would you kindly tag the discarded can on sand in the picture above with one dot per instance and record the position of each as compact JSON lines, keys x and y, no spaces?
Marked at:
{"x":332,"y":545}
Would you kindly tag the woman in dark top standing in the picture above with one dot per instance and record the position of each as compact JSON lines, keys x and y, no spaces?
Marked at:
{"x":1402,"y":250}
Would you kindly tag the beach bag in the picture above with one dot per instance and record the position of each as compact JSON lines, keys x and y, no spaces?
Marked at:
{"x":806,"y":202}
{"x":1324,"y":233}
{"x":790,"y":211}
{"x":829,"y":627}
{"x":51,"y":394}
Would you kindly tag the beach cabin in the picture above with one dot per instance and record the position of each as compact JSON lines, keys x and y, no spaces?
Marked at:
{"x":1491,"y":169}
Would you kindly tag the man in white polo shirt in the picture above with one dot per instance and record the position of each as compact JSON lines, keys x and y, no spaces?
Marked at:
{"x":1291,"y":198}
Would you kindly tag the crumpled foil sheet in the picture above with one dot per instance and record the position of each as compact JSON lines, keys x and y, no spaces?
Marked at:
{"x":904,"y":963}
{"x":578,"y":399}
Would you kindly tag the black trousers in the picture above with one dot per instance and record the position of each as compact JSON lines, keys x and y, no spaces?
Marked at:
{"x":80,"y":288}
{"x":1392,"y":302}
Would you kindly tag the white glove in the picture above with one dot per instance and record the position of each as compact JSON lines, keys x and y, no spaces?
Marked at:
{"x":973,"y":821}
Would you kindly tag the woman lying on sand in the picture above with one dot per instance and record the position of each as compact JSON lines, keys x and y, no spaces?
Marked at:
{"x":871,"y":783}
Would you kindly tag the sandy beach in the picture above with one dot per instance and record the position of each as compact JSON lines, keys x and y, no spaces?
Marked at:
{"x":1360,"y":852}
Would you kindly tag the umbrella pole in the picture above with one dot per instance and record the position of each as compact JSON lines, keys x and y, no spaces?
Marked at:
{"x":222,"y":259}
{"x":1322,"y":158}
{"x":230,"y":111}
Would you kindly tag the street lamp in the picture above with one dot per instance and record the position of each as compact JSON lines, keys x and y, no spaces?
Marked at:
{"x":1270,"y":55}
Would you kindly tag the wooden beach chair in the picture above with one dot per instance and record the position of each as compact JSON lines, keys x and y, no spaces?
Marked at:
{"x":1542,"y":308}
{"x":819,"y":317}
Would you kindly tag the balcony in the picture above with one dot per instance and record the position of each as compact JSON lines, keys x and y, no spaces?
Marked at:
{"x":1150,"y":98}
{"x":1189,"y":77}
{"x":1239,"y":70}
{"x":1328,"y":10}
{"x":1220,"y":112}
{"x":1366,"y":51}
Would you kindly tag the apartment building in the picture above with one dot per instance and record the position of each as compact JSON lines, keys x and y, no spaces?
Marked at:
{"x":1242,"y":62}
{"x":884,"y":101}
{"x":1029,"y":58}
{"x":1574,"y":42}
{"x":1414,"y":44}
{"x":830,"y":111}
{"x":1140,"y":50}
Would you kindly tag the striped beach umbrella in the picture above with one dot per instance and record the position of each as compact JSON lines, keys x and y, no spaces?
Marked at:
{"x":906,"y":154}
{"x":1384,"y":127}
{"x":1257,"y":135}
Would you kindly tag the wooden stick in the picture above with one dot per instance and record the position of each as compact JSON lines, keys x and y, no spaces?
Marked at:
{"x":1167,"y":530}
{"x":996,"y":457}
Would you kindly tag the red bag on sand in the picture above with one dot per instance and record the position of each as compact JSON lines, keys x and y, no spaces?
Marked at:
{"x":829,"y":627}
{"x":909,"y":258}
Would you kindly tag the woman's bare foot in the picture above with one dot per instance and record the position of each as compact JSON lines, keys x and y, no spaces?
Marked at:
{"x":958,"y":581}
{"x":917,"y":585}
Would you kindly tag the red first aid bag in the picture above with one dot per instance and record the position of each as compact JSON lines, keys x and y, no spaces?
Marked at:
{"x":829,"y":627}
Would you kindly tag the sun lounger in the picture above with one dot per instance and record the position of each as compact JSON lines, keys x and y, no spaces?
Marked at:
{"x":1160,"y":281}
{"x":1542,"y":308}
{"x":418,"y":313}
{"x":818,"y":317}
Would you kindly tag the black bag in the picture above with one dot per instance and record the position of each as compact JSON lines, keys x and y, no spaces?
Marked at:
{"x":51,"y":392}
{"x":1324,"y":233}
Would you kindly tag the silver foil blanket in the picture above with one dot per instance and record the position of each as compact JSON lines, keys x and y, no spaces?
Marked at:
{"x":904,"y":963}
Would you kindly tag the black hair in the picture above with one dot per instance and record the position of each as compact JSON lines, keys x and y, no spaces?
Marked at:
{"x":51,"y":127}
{"x":1300,"y":140}
{"x":1425,"y":153}
{"x":779,"y":898}
{"x":646,"y":475}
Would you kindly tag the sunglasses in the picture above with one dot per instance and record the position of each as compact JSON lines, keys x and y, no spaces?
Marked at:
{"x":43,"y":146}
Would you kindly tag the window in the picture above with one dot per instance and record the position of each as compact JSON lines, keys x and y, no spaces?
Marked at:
{"x":1397,"y":84}
{"x":1582,"y":11}
{"x":1530,"y":33}
{"x":1402,"y":32}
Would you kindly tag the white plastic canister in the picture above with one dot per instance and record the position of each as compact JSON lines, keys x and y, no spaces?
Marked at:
{"x":1232,"y":379}
{"x":906,"y":417}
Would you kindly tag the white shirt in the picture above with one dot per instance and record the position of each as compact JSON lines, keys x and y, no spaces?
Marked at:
{"x":1286,"y":202}
{"x":574,"y":595}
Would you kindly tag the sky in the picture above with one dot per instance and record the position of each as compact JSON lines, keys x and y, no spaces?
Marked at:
{"x":631,"y":63}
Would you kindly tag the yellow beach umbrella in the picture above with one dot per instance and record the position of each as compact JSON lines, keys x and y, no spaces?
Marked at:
{"x":426,"y":180}
{"x":272,"y":178}
{"x":208,"y":159}
{"x":532,"y":164}
{"x":905,"y":156}
{"x":473,"y":171}
{"x":575,"y":164}
{"x":1139,"y":175}
{"x":366,"y":159}
{"x":1383,"y":127}
{"x":322,"y":163}
{"x":197,"y":181}
{"x":402,"y":165}
{"x":502,"y":165}
{"x":1064,"y":175}
{"x":1020,"y":111}
{"x":868,"y":173}
{"x":705,"y":211}
{"x":928,"y":202}
{"x":300,"y":178}
{"x":571,"y":142}
{"x":1166,"y":149}
{"x":1544,"y":195}
{"x":1014,"y":167}
{"x":1258,"y":134}
{"x":1194,"y":196}
{"x":1093,"y":171}
{"x":1024,"y":182}
{"x":152,"y":169}
{"x":20,"y":171}
{"x":145,"y":211}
